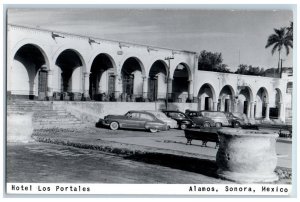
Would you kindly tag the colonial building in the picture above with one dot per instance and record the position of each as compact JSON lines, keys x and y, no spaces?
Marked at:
{"x":50,"y":65}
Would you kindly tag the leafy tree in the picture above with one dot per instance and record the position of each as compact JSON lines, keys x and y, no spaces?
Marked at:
{"x":249,"y":70}
{"x":280,"y":39}
{"x":211,"y":62}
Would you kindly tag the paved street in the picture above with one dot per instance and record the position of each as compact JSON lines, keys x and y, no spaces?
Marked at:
{"x":101,"y":155}
{"x":42,"y":162}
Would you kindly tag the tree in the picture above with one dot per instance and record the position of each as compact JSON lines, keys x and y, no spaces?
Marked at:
{"x":250,"y":70}
{"x":290,"y":30}
{"x":211,"y":62}
{"x":278,"y":40}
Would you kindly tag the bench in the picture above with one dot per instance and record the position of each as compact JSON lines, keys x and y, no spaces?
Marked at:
{"x":205,"y":135}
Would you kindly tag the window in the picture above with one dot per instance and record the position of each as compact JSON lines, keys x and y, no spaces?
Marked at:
{"x":135,"y":115}
{"x":146,"y":117}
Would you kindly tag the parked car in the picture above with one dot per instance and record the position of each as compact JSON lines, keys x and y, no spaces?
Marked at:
{"x":237,"y":120}
{"x":171,"y":123}
{"x":200,"y":120}
{"x":183,"y":120}
{"x":219,"y":118}
{"x":134,"y":120}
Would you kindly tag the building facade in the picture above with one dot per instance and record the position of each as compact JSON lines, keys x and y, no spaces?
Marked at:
{"x":50,"y":65}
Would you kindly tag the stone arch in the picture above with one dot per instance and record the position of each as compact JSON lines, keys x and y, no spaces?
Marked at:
{"x":102,"y":77}
{"x":181,"y":83}
{"x":95,"y":54}
{"x":157,"y":85}
{"x":261,"y":108}
{"x":27,"y":72}
{"x":187,"y":68}
{"x":141,"y":64}
{"x":206,"y":97}
{"x":244,"y":100}
{"x":70,"y":67}
{"x":277,"y":110}
{"x":38,"y":44}
{"x":226,"y":101}
{"x":132,"y":73}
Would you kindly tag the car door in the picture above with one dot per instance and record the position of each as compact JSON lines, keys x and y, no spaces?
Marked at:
{"x":146,"y":118}
{"x":131,"y":120}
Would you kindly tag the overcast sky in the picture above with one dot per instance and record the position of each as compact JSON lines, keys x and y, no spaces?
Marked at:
{"x":225,"y":31}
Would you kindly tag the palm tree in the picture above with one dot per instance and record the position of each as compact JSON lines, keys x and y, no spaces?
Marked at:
{"x":280,"y":39}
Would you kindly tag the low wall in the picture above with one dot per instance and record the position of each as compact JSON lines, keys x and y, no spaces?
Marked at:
{"x":19,"y":127}
{"x":92,"y":111}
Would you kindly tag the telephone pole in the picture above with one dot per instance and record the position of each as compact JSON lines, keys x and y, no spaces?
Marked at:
{"x":168,"y":73}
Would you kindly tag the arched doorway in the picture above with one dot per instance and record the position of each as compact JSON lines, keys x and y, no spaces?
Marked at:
{"x":27,"y":77}
{"x":132,"y":80}
{"x":102,"y":78}
{"x":226,"y":99}
{"x":275,"y":112}
{"x":261,"y":109}
{"x":70,"y":73}
{"x":181,"y":83}
{"x":245,"y":98}
{"x":157,"y":81}
{"x":206,"y":97}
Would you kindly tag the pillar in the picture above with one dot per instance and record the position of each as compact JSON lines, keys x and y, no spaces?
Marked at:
{"x":170,"y":81}
{"x":281,"y":115}
{"x":145,"y":87}
{"x":215,"y":106}
{"x":191,"y":90}
{"x":248,"y":109}
{"x":267,"y":111}
{"x":118,"y":87}
{"x":86,"y":86}
{"x":50,"y":85}
{"x":252,"y":106}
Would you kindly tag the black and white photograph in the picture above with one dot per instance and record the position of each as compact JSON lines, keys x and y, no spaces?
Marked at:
{"x":149,"y":97}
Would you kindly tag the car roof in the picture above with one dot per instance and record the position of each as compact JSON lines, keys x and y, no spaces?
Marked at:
{"x":172,"y":111}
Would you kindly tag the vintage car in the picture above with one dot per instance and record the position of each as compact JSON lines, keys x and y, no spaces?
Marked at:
{"x":219,"y":118}
{"x":183,"y":120}
{"x":200,"y":120}
{"x":134,"y":120}
{"x":237,"y":120}
{"x":171,"y":123}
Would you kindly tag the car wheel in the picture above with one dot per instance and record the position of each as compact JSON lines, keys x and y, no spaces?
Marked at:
{"x":218,"y":125}
{"x":114,"y":125}
{"x":236,"y":124}
{"x":183,"y":126}
{"x":206,"y":125}
{"x":153,"y":130}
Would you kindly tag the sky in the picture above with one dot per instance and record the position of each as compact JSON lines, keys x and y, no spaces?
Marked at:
{"x":240,"y":35}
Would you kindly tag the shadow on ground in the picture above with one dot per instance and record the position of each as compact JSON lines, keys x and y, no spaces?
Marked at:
{"x":200,"y":166}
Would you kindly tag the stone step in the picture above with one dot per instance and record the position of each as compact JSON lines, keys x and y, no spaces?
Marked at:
{"x":58,"y":123}
{"x":55,"y":119}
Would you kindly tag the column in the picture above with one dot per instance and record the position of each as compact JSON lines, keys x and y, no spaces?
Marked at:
{"x":235,"y":105}
{"x":252,"y":104}
{"x":267,"y":111}
{"x":281,"y":112}
{"x":118,"y":87}
{"x":86,"y":86}
{"x":145,"y":87}
{"x":191,"y":90}
{"x":215,"y":106}
{"x":248,"y":109}
{"x":49,"y":85}
{"x":170,"y":81}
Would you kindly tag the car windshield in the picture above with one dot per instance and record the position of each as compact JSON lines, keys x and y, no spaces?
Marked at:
{"x":160,"y":115}
{"x":176,"y":115}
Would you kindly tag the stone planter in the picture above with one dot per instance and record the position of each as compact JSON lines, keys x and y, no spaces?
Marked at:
{"x":247,"y":156}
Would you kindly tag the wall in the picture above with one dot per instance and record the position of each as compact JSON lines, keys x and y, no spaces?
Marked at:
{"x":92,"y":111}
